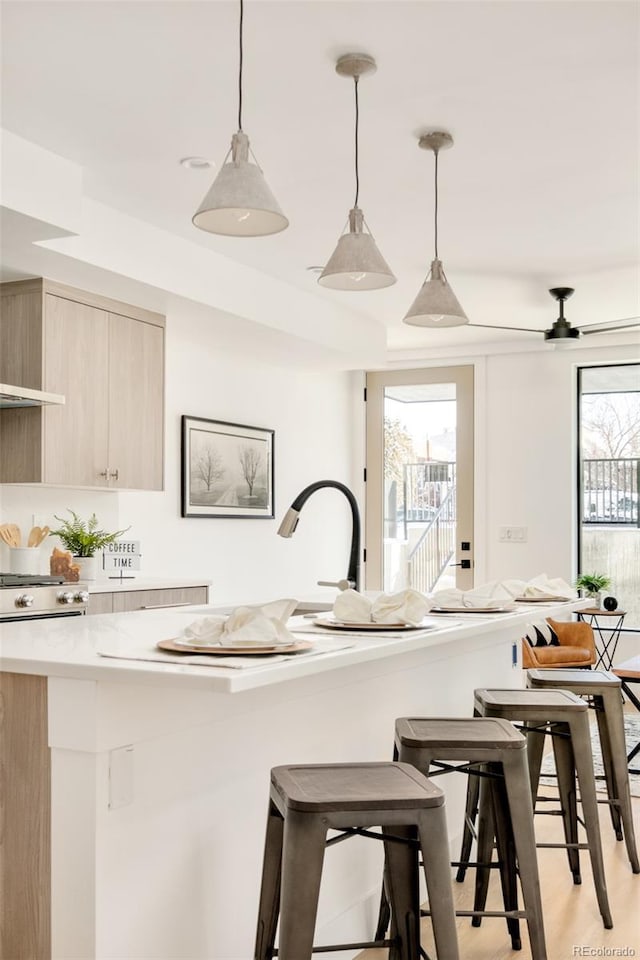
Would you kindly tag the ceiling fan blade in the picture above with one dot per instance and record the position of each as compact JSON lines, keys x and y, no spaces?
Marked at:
{"x":610,"y":325}
{"x":491,"y":326}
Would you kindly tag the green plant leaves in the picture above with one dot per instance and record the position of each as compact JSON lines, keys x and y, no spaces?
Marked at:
{"x":83,"y":538}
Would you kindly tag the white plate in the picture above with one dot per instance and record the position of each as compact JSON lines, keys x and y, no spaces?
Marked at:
{"x":471,"y":610}
{"x":368,"y":625}
{"x":176,"y":646}
{"x":546,"y":599}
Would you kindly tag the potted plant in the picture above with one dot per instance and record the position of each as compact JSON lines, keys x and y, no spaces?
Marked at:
{"x":83,"y":539}
{"x":592,"y":585}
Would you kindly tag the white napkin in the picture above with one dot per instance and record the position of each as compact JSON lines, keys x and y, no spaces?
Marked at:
{"x":352,"y":607}
{"x":490,"y":595}
{"x":540,"y":586}
{"x":408,"y":606}
{"x":246,"y":627}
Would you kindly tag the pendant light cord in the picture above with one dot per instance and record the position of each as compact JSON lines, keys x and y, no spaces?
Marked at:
{"x":240,"y":67}
{"x":436,"y":203}
{"x":355,"y":82}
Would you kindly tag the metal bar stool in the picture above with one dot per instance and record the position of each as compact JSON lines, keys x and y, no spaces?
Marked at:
{"x":605,"y":695}
{"x":493,"y":751}
{"x":565,"y":716}
{"x":306,"y":802}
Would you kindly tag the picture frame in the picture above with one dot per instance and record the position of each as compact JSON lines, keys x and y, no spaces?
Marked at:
{"x":227,"y":470}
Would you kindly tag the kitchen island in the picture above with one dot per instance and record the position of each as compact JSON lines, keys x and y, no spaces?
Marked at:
{"x":136,"y":790}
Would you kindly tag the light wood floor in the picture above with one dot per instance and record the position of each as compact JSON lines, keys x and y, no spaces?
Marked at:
{"x":571,"y":912}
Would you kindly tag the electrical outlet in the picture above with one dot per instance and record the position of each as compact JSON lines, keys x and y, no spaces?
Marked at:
{"x":513,"y":534}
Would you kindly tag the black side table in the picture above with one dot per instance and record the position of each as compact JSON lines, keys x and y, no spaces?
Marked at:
{"x":606,"y":647}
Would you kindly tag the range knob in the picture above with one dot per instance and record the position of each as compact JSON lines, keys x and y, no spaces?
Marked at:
{"x":65,"y":597}
{"x":24,"y":600}
{"x":82,"y":596}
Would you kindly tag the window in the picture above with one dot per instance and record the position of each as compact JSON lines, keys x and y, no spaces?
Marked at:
{"x":609,"y":480}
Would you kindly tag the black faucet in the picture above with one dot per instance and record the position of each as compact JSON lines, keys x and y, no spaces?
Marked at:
{"x":290,"y":522}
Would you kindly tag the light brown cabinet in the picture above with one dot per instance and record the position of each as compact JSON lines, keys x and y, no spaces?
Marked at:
{"x":107,"y":359}
{"x":124,"y":601}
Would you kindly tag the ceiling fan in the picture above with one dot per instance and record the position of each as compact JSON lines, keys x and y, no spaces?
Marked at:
{"x":561,"y":330}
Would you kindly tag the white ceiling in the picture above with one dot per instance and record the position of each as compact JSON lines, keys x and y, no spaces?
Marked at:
{"x":540,"y":189}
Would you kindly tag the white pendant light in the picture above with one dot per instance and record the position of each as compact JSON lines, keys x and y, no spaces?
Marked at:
{"x":239,"y":202}
{"x":356,"y":263}
{"x":436,"y":304}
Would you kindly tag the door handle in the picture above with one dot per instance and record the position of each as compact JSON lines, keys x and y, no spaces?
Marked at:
{"x":465,"y":564}
{"x":166,"y":606}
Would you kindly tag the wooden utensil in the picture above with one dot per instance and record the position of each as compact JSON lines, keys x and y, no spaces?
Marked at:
{"x":10,"y":533}
{"x":5,"y":535}
{"x":44,"y":533}
{"x":14,"y":530}
{"x":34,"y":537}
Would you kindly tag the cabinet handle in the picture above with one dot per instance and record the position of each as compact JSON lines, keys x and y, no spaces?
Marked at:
{"x":164,"y":606}
{"x":114,"y":474}
{"x":104,"y":473}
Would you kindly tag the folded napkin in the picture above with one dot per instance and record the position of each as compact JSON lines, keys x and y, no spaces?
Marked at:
{"x":352,"y":607}
{"x":489,"y":595}
{"x":263,"y":626}
{"x":408,"y":607}
{"x":540,"y":586}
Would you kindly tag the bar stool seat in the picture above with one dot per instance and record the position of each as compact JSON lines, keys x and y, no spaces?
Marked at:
{"x":306,"y":801}
{"x":603,"y":690}
{"x":495,"y":751}
{"x":565,"y":716}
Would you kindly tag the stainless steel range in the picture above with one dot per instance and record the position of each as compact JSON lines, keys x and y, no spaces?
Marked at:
{"x":34,"y":597}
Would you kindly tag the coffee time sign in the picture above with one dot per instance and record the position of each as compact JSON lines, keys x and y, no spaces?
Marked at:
{"x":122,"y":556}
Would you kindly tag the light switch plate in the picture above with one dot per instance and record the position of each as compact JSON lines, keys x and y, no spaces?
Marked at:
{"x":513,"y":534}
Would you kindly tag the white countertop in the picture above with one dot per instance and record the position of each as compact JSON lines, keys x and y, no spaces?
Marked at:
{"x":68,"y":647}
{"x":143,"y":583}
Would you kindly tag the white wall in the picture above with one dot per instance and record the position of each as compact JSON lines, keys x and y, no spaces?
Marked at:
{"x":530,"y":457}
{"x":525,"y":466}
{"x":312,"y":415}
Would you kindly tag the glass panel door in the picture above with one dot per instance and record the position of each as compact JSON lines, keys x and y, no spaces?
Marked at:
{"x":609,"y":481}
{"x":419,"y":501}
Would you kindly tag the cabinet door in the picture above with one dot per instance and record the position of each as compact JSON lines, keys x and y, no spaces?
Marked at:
{"x":76,"y":365}
{"x":136,"y":407}
{"x":100,"y":603}
{"x":128,"y":600}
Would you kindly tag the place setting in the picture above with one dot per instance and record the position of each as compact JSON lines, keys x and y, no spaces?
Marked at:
{"x":388,"y":616}
{"x":251,"y":636}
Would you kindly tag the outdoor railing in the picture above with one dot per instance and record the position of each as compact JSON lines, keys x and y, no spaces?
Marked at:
{"x":611,"y":491}
{"x":426,"y":487}
{"x":435,"y":548}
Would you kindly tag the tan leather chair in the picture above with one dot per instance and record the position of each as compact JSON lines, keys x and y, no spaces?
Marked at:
{"x":577,"y":647}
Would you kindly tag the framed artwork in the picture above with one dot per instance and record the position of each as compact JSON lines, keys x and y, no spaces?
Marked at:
{"x":227,"y":469}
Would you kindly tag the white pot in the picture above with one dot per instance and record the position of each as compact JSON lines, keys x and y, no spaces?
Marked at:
{"x":88,"y":567}
{"x":24,"y":560}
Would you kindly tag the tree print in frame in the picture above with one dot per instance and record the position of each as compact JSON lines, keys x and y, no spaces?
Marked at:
{"x":227,"y":469}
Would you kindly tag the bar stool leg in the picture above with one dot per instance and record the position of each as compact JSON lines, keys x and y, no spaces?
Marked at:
{"x":610,"y":780}
{"x":270,"y":888}
{"x":565,"y":767}
{"x":432,"y":830}
{"x":617,"y":750}
{"x":401,"y":864}
{"x":580,"y":738}
{"x":521,"y":807}
{"x":535,"y":751}
{"x":484,"y":852}
{"x":470,"y":817}
{"x":302,"y":859}
{"x":507,"y":855}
